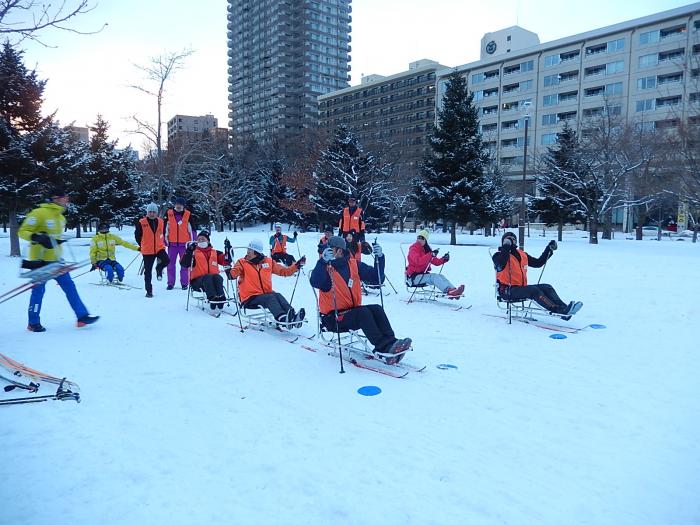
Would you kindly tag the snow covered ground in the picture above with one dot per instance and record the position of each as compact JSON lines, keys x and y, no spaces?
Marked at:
{"x":184,"y":420}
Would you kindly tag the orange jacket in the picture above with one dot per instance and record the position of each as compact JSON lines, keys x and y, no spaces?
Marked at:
{"x":151,"y":242}
{"x":256,"y":279}
{"x":515,"y":272}
{"x":205,"y":262}
{"x":347,"y":295}
{"x":179,"y":232}
{"x":350,"y":222}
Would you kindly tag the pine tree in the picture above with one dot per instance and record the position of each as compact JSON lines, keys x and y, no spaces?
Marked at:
{"x":344,"y":169}
{"x":454,"y":183}
{"x":20,"y":113}
{"x":554,"y":202}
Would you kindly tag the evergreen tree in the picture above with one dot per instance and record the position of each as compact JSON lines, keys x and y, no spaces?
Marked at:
{"x":344,"y":169}
{"x":20,"y":113}
{"x":454,"y":183}
{"x":554,"y":203}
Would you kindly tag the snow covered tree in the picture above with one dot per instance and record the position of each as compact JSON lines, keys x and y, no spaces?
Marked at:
{"x":554,"y":206}
{"x":344,"y":169}
{"x":455,"y":184}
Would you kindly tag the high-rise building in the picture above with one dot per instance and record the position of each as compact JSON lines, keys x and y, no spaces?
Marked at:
{"x":184,"y":129}
{"x":282,"y":55}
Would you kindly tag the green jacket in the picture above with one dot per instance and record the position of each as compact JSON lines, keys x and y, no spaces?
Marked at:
{"x":47,"y":218}
{"x":104,"y":247}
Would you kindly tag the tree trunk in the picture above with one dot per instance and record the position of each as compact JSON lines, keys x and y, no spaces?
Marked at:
{"x":77,"y":231}
{"x":487,"y":230}
{"x":593,"y":232}
{"x":560,"y":230}
{"x":453,"y":234}
{"x":14,"y":228}
{"x":695,"y":233}
{"x":607,"y":225}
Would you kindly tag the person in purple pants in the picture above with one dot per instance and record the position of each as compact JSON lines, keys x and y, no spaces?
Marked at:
{"x":178,"y":232}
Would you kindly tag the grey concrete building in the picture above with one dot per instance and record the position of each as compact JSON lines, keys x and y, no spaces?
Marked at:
{"x":183,"y":129}
{"x":391,"y":116}
{"x":282,"y":55}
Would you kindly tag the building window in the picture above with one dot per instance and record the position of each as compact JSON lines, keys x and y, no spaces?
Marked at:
{"x":670,"y":32}
{"x":596,"y":49}
{"x":528,"y":65}
{"x":569,"y":55}
{"x":548,"y":120}
{"x":567,"y":115}
{"x":551,"y":80}
{"x":649,"y":37}
{"x":616,"y":45}
{"x":594,"y":91}
{"x":648,"y":60}
{"x":550,"y":100}
{"x":548,"y":139}
{"x":489,"y":110}
{"x":551,"y":60}
{"x":675,"y":54}
{"x":614,"y":67}
{"x":646,"y":83}
{"x":488,"y":128}
{"x":644,"y":105}
{"x":568,"y":97}
{"x":666,"y":102}
{"x":671,"y":78}
{"x":593,"y":112}
{"x":613,"y":89}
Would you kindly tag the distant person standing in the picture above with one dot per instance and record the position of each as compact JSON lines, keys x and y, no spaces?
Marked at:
{"x":351,"y":227}
{"x":43,"y":227}
{"x":150,"y":238}
{"x":178,"y":232}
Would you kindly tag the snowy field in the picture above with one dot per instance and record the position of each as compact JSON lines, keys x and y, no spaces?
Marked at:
{"x":184,"y":420}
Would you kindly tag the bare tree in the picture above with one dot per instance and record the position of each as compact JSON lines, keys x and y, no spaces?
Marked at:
{"x":157,"y":73}
{"x":27,"y":18}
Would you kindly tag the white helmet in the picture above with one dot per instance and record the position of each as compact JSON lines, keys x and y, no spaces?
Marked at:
{"x":257,"y":246}
{"x":278,"y":225}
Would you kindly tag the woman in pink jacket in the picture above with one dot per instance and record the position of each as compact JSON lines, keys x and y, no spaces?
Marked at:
{"x":420,"y":259}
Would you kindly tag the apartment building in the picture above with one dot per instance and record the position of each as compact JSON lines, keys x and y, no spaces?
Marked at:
{"x":184,"y":129}
{"x":644,"y":70}
{"x":282,"y":56}
{"x":391,"y":116}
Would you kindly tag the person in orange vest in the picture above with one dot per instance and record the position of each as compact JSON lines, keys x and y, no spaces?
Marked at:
{"x":511,"y":266}
{"x":352,"y":222}
{"x":150,"y":238}
{"x":254,"y":274}
{"x":338,"y":278}
{"x":323,"y":242}
{"x":178,"y":233}
{"x":278,"y":246}
{"x":204,"y":261}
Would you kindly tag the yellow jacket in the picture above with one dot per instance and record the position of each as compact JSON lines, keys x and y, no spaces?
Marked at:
{"x":104,"y":247}
{"x":47,"y":218}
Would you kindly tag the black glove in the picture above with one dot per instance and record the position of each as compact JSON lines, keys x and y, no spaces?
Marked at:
{"x":436,"y":251}
{"x":296,"y":235}
{"x":191,"y":246}
{"x":446,"y":257}
{"x":552,"y":245}
{"x":43,"y":239}
{"x":94,"y":267}
{"x":301,"y":262}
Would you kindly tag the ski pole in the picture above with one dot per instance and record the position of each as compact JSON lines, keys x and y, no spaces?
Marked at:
{"x":132,"y":260}
{"x":295,"y":285}
{"x":413,"y":282}
{"x":379,"y":277}
{"x":82,"y":274}
{"x":335,"y":311}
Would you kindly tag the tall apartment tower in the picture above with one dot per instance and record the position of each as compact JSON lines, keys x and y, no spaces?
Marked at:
{"x":282,"y":55}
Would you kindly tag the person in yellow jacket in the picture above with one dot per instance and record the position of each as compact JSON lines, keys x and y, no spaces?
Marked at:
{"x":43,"y":227}
{"x":254,"y":273}
{"x":103,"y":252}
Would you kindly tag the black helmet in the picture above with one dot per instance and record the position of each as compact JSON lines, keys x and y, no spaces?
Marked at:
{"x":103,"y":227}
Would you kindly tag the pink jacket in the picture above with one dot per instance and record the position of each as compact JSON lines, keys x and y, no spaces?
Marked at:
{"x":419,"y":261}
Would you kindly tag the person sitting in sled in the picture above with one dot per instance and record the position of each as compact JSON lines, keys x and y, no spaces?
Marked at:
{"x":278,"y":246}
{"x":420,"y":258}
{"x":204,"y":261}
{"x":103,"y":252}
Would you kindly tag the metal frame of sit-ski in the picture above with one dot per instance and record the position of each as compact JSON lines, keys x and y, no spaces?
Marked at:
{"x":516,"y":308}
{"x":424,"y":291}
{"x":349,"y":340}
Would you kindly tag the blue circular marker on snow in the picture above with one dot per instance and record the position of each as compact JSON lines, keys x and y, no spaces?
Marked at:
{"x":597,"y":326}
{"x":444,"y":366}
{"x":369,"y":390}
{"x":557,"y":336}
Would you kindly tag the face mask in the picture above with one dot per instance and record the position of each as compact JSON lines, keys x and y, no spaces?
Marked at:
{"x":203,"y":244}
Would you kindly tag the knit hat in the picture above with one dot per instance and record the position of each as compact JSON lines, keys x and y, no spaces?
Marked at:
{"x":103,"y":227}
{"x":424,"y":233}
{"x":58,"y":191}
{"x":337,"y":242}
{"x":511,"y":235}
{"x":204,"y":233}
{"x":181,"y":201}
{"x":257,"y":246}
{"x":152,"y":207}
{"x":278,"y":225}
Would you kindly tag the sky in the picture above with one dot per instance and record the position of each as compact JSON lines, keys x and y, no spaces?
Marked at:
{"x":91,"y":74}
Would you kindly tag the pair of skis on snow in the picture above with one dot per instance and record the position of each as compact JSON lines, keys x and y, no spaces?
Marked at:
{"x":66,"y":390}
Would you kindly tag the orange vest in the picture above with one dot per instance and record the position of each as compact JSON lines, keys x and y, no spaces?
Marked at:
{"x":256,"y":278}
{"x":179,"y":232}
{"x":515,"y":272}
{"x":347,"y":295}
{"x":204,"y":266}
{"x":351,"y":222}
{"x":151,"y":243}
{"x":279,"y":247}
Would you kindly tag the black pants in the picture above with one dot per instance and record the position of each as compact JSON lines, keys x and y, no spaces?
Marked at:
{"x":148,"y":261}
{"x":284,"y":258}
{"x":542,"y":294}
{"x":274,"y":302}
{"x":211,"y":284}
{"x":371,"y":319}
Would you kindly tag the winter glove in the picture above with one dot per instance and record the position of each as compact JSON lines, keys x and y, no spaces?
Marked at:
{"x":552,"y":245}
{"x":435,"y":252}
{"x":328,"y":255}
{"x":191,"y":246}
{"x":377,"y":250}
{"x":446,"y":257}
{"x":43,"y":239}
{"x":138,"y":249}
{"x":301,"y":262}
{"x":366,"y":248}
{"x":296,"y":235}
{"x":507,"y":243}
{"x":94,"y":267}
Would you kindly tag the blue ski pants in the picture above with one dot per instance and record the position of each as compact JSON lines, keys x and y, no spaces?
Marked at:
{"x":68,"y":287}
